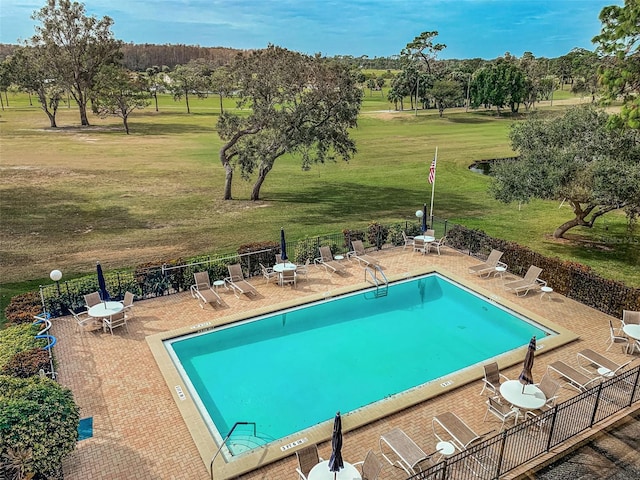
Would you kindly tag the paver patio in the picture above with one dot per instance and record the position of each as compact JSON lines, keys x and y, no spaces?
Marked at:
{"x":138,"y":429}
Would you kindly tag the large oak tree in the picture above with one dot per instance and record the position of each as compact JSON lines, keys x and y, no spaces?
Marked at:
{"x":294,"y":104}
{"x":576,"y":158}
{"x":76,"y":47}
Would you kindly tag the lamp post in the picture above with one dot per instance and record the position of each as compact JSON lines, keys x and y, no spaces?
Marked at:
{"x":56,"y":275}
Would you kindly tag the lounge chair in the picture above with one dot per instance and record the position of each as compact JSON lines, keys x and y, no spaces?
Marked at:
{"x":92,"y":299}
{"x":630,"y":317}
{"x":308,"y":458}
{"x":116,"y":320}
{"x":408,"y":240}
{"x":359,"y":254}
{"x":529,"y":282}
{"x":458,"y":432}
{"x":492,"y":378}
{"x":605,"y":367}
{"x":616,"y":335}
{"x":371,"y":466}
{"x":203,"y":291}
{"x":237,"y":282}
{"x":574,"y":378}
{"x":488,"y":267}
{"x":327,"y":261}
{"x":404,"y":451}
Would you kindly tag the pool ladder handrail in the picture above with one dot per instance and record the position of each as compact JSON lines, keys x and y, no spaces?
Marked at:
{"x":372,"y":271}
{"x":227,"y":438}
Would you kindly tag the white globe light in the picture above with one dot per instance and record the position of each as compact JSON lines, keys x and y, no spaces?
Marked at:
{"x":419,"y":213}
{"x":55,"y":275}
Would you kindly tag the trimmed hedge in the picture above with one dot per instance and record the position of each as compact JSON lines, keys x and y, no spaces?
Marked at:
{"x":16,"y":339}
{"x":39,"y":416}
{"x":570,"y":279}
{"x":22,"y":308}
{"x":27,"y":363}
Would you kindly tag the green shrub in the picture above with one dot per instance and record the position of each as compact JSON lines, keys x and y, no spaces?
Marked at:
{"x":18,"y":338}
{"x":377,"y":234}
{"x":307,"y":248}
{"x":40,"y":416}
{"x":350,"y":236}
{"x":251,"y":263}
{"x":27,"y":363}
{"x":22,"y":308}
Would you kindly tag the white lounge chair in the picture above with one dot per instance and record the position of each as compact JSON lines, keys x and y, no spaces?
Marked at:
{"x":529,"y":282}
{"x":604,"y":366}
{"x":237,"y":282}
{"x":489,"y":266}
{"x":327,"y":261}
{"x":359,"y":254}
{"x":573,"y":377}
{"x":203,"y":291}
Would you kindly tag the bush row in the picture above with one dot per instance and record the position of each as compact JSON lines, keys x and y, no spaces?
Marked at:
{"x":570,"y":279}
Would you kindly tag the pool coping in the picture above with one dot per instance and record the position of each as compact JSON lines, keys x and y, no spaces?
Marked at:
{"x":272,"y":452}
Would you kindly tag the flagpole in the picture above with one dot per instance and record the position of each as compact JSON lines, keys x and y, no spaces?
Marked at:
{"x":433,"y":185}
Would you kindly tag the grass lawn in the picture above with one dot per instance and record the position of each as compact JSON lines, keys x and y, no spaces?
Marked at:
{"x":73,"y":196}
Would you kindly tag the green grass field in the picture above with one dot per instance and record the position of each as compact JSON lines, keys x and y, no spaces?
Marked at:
{"x":73,"y":196}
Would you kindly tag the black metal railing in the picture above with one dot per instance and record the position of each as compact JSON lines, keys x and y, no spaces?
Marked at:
{"x":160,"y":280}
{"x":515,"y":446}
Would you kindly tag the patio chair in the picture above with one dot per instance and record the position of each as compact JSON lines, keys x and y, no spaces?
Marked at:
{"x":529,"y":282}
{"x":359,"y":254}
{"x":327,"y":261}
{"x":573,"y":377}
{"x":92,"y":299}
{"x":419,"y":245}
{"x":616,"y":335}
{"x":489,"y":266}
{"x":370,"y":467}
{"x":501,"y":410}
{"x":550,"y":388}
{"x":203,"y":291}
{"x":288,"y":276}
{"x":437,"y":244}
{"x":128,"y":304}
{"x":630,"y":317}
{"x":605,"y":367}
{"x":279,"y":258}
{"x":492,"y":378}
{"x":430,"y":232}
{"x":117,"y":320}
{"x":404,"y":452}
{"x":237,"y":282}
{"x":82,"y":319}
{"x":408,"y":240}
{"x":308,"y":458}
{"x":268,"y":273}
{"x":458,"y":432}
{"x":303,"y":269}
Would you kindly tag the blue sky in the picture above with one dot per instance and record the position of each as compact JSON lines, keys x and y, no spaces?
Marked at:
{"x":469,"y":28}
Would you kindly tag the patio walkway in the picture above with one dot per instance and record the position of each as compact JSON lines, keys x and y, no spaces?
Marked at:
{"x":139,"y":432}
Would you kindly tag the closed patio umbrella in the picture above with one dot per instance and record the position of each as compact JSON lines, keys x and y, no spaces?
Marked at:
{"x":335,"y":461}
{"x":102,"y":285}
{"x":283,"y":246}
{"x":526,"y":377}
{"x":424,"y":219}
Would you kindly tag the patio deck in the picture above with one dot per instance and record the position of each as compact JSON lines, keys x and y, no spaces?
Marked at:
{"x":140,"y":433}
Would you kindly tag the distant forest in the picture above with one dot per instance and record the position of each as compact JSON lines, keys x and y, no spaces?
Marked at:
{"x":140,"y":57}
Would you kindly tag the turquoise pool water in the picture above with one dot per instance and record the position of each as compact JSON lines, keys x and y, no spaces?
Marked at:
{"x":295,"y":368}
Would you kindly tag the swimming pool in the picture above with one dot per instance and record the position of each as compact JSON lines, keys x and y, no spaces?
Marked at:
{"x":292,"y":369}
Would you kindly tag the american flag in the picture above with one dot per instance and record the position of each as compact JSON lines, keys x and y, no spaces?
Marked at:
{"x":432,"y":172}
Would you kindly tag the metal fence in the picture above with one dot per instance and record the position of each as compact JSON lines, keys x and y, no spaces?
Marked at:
{"x":515,"y":446}
{"x":156,"y":281}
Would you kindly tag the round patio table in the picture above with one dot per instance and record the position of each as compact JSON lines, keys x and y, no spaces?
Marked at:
{"x":105,"y":309}
{"x":321,"y":472}
{"x":531,"y":398}
{"x":281,"y":267}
